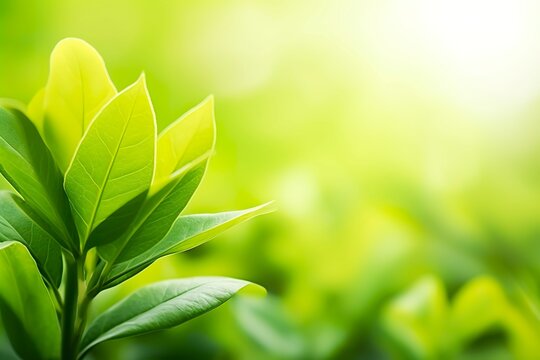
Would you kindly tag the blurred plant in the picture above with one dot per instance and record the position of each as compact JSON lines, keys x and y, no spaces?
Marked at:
{"x":479,"y":323}
{"x":99,"y":198}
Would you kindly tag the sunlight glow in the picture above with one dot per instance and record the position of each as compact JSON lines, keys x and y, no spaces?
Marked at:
{"x":479,"y":55}
{"x":487,"y":49}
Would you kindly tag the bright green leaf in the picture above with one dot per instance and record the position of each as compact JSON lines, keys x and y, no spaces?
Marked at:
{"x":28,"y":313}
{"x":156,"y":215}
{"x":482,"y":299}
{"x":28,"y":165}
{"x":182,"y":152}
{"x":19,"y":223}
{"x":114,"y":162}
{"x":417,"y":320}
{"x":186,"y":233}
{"x":160,"y":306}
{"x":77,"y":88}
{"x":185,"y":140}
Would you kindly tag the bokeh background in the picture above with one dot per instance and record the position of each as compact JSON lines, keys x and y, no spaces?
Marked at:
{"x":400,"y":139}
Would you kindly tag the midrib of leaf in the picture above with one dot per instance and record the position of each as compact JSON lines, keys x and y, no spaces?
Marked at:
{"x":130,"y":234}
{"x":29,"y":243}
{"x":15,"y":150}
{"x":45,"y":199}
{"x":146,"y":310}
{"x":28,"y":163}
{"x":191,"y":136}
{"x":110,"y":166}
{"x":184,"y":170}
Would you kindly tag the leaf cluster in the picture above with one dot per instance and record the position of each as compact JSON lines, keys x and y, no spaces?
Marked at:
{"x":98,"y":197}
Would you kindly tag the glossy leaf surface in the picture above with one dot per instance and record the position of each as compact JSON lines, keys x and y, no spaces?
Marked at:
{"x":28,"y":165}
{"x":114,"y":162}
{"x":160,"y":306}
{"x":182,"y":152}
{"x":19,"y":223}
{"x":186,"y":233}
{"x":77,"y":88}
{"x":27,"y":310}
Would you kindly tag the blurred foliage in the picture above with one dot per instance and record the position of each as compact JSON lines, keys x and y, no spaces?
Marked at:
{"x":400,"y":139}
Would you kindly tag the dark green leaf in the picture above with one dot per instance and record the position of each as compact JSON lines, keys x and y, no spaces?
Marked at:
{"x":19,"y":223}
{"x":155,"y":217}
{"x":28,"y":312}
{"x":186,"y":233}
{"x":27,"y":164}
{"x":160,"y":306}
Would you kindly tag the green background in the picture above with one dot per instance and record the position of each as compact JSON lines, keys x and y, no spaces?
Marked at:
{"x":400,"y":140}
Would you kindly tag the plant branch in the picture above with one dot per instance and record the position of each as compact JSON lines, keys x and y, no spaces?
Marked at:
{"x":69,"y":318}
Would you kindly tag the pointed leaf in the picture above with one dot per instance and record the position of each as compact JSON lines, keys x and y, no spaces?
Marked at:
{"x":28,"y":165}
{"x":116,"y":225}
{"x":186,"y":139}
{"x":77,"y":88}
{"x":115,"y":159}
{"x":481,"y":299}
{"x":161,"y":306}
{"x":27,"y":310}
{"x":156,"y":216}
{"x":18,"y":223}
{"x":186,"y":233}
{"x":182,"y":152}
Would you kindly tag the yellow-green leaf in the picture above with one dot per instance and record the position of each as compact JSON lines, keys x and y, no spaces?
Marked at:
{"x":482,"y":299}
{"x":115,"y":160}
{"x":182,"y":152}
{"x":186,"y":139}
{"x":187,"y":232}
{"x":77,"y":88}
{"x":34,"y":110}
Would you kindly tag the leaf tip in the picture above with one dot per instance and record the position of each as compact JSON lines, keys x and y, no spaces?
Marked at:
{"x":71,"y":43}
{"x":142,"y":78}
{"x":268,"y":207}
{"x":253,"y":290}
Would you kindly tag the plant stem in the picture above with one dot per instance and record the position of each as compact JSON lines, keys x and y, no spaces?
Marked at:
{"x":69,"y":319}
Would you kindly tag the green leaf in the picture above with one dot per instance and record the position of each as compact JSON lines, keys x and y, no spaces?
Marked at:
{"x":27,"y":310}
{"x":28,"y":165}
{"x":481,"y":299}
{"x":186,"y":145}
{"x":34,"y":110}
{"x":19,"y":223}
{"x":114,"y":162}
{"x":156,"y":215}
{"x":416,"y":321}
{"x":160,"y":306}
{"x":77,"y":88}
{"x":12,"y":104}
{"x":268,"y":324}
{"x":186,"y":233}
{"x":185,"y":140}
